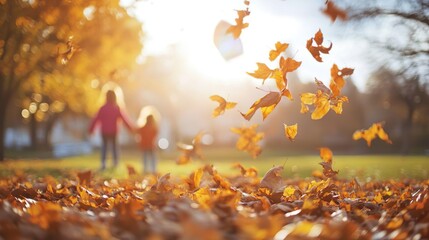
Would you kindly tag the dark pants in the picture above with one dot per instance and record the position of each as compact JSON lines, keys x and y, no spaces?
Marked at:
{"x":109,"y":141}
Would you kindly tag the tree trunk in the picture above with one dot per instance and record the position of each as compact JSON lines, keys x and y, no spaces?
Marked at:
{"x":48,"y":130}
{"x":407,"y":130}
{"x":3,"y":107}
{"x":33,"y":132}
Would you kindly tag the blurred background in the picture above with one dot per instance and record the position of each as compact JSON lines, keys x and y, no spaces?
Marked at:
{"x":57,"y":58}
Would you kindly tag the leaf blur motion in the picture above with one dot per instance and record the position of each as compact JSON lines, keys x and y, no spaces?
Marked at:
{"x":376,"y":130}
{"x":248,"y":140}
{"x":223,"y":105}
{"x":189,"y":151}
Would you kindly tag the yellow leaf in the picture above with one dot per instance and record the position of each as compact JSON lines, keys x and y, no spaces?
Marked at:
{"x":304,"y":108}
{"x":326,"y":154}
{"x":322,"y":106}
{"x":248,"y":140}
{"x":198,"y":176}
{"x":240,"y":25}
{"x":279,"y":77}
{"x":291,"y":131}
{"x":338,"y":108}
{"x":371,"y":133}
{"x":223,"y":105}
{"x":263,"y":72}
{"x":308,"y":98}
{"x":280,"y":47}
{"x":288,"y":65}
{"x":289,"y":191}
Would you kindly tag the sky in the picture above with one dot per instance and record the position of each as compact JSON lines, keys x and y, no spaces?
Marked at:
{"x":189,"y":25}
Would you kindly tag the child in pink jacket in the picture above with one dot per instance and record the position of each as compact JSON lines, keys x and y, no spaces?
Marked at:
{"x":108,"y":117}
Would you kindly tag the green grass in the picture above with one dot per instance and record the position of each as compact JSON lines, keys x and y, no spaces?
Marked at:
{"x":364,"y":167}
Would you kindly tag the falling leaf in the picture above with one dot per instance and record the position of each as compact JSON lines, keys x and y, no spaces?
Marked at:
{"x":223,"y":105}
{"x":327,"y":98}
{"x":326,"y":154}
{"x":190,"y":150}
{"x":291,"y":131}
{"x":236,"y":29}
{"x":337,"y":80}
{"x":280,"y":47}
{"x":288,"y":64}
{"x":319,"y":48}
{"x":267,"y":104}
{"x":371,"y":133}
{"x":334,"y":12}
{"x":322,"y":105}
{"x":263,"y":72}
{"x":248,"y":140}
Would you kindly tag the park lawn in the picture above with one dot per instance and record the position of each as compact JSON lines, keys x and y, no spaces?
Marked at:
{"x":363,"y":167}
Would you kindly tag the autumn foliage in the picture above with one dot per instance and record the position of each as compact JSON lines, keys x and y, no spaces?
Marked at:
{"x":241,"y":206}
{"x":209,"y":205}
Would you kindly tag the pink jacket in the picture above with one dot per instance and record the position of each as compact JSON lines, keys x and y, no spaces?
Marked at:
{"x":108,"y":116}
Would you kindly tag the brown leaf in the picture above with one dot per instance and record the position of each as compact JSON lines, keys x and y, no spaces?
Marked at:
{"x":84,"y":177}
{"x":319,"y":48}
{"x":267,"y":104}
{"x":273,"y":180}
{"x":334,"y":12}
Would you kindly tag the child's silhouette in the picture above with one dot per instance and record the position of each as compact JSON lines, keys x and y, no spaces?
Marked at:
{"x":108,"y":117}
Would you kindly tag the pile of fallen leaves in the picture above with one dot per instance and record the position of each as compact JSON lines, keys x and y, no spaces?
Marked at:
{"x":206,"y":205}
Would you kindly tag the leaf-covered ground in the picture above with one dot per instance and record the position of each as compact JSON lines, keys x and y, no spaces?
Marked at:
{"x":207,"y":205}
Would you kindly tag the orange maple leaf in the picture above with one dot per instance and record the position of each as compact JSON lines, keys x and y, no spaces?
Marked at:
{"x":326,"y":98}
{"x":333,"y":11}
{"x":291,"y":131}
{"x":236,"y":29}
{"x":319,"y":48}
{"x":371,"y":133}
{"x":223,"y":105}
{"x":337,"y":80}
{"x":248,"y":140}
{"x":280,"y":74}
{"x":280,"y":47}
